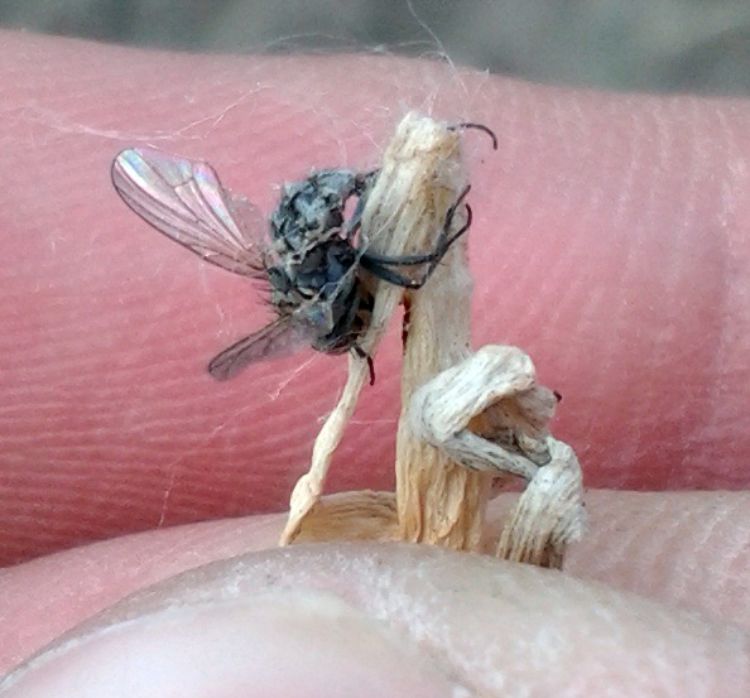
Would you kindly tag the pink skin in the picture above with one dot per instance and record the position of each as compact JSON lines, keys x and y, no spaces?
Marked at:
{"x":609,"y":241}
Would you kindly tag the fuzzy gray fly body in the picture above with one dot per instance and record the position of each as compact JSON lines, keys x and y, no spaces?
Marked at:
{"x":310,"y":259}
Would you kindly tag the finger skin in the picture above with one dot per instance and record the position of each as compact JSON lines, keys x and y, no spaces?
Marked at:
{"x":682,"y":550}
{"x":608,"y":241}
{"x":488,"y":627}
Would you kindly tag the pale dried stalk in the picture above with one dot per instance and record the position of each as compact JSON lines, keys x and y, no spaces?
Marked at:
{"x":549,"y":514}
{"x":438,"y":500}
{"x":421,"y":177}
{"x":489,"y":414}
{"x":309,"y":487}
{"x":466,"y":418}
{"x":362,"y":515}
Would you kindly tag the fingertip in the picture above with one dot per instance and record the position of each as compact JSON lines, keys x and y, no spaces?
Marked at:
{"x":463,"y":621}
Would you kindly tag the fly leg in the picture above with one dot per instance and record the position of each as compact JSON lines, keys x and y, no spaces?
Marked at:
{"x":362,"y":354}
{"x":361,"y":188}
{"x":393,"y":277}
{"x":379,"y":265}
{"x":355,"y":223}
{"x":478,"y":127}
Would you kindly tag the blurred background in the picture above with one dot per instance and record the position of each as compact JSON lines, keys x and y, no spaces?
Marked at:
{"x":654,"y":45}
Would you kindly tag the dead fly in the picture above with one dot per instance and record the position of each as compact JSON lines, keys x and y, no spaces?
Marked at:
{"x":309,"y":260}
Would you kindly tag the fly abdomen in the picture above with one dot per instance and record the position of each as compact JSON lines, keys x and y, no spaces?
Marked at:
{"x":340,"y":258}
{"x":324,"y":267}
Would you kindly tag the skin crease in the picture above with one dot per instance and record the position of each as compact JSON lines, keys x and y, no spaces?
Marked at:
{"x":620,"y":228}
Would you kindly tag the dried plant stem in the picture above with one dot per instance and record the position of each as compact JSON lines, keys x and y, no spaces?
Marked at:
{"x":489,"y":414}
{"x":418,"y":179}
{"x":549,"y":514}
{"x":466,"y":418}
{"x":309,"y":487}
{"x":362,"y":515}
{"x":439,"y":501}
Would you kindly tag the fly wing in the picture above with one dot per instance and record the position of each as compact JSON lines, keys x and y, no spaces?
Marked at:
{"x":184,"y":200}
{"x":280,"y":338}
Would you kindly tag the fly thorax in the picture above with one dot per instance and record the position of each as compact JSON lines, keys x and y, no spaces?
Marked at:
{"x":326,"y":267}
{"x":325,"y":279}
{"x":312,"y":210}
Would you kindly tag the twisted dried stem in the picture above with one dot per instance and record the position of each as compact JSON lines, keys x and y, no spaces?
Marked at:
{"x":466,"y":418}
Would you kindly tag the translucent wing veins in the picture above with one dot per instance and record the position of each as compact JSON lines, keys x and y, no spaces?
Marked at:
{"x":184,"y":200}
{"x":279,"y":338}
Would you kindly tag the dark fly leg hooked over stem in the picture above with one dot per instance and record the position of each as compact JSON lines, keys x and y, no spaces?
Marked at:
{"x":362,"y":354}
{"x":378,"y":265}
{"x":478,"y":127}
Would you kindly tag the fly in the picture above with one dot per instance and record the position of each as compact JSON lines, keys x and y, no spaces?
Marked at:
{"x":306,"y":252}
